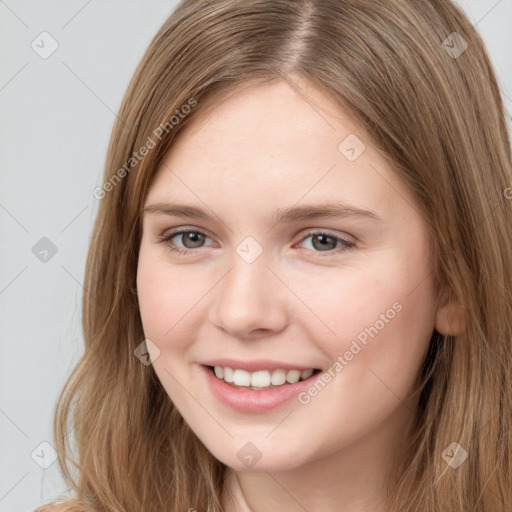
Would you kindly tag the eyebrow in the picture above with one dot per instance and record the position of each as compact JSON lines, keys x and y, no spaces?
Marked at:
{"x":286,"y":215}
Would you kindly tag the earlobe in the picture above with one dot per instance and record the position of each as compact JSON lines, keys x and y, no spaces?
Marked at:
{"x":450,"y":315}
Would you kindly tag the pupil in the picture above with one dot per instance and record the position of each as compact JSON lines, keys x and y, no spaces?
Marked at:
{"x":323,"y":245}
{"x":195,"y":238}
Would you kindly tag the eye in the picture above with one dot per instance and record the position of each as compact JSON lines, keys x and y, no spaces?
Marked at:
{"x":190,"y":239}
{"x":321,"y":242}
{"x":328,"y":243}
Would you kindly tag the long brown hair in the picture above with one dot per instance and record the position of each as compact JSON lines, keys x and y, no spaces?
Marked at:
{"x":419,"y":80}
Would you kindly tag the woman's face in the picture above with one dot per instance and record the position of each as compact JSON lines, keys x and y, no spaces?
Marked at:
{"x":301,"y":250}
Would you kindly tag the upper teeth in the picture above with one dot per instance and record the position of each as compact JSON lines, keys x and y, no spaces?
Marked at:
{"x":261,"y":378}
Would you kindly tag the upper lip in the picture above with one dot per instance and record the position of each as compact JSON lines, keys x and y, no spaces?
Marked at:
{"x":255,"y":365}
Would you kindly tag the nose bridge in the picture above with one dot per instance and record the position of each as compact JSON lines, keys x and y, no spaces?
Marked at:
{"x":248,"y":297}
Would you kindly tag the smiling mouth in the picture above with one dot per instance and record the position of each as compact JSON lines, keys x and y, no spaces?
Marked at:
{"x":262,"y":379}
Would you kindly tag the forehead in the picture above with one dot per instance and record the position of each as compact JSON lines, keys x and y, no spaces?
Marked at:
{"x":275,"y":144}
{"x":272,"y":114}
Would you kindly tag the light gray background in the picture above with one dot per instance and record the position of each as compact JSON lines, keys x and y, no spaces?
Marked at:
{"x":57,"y":115}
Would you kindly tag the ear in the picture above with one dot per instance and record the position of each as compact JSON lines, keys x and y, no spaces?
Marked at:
{"x":450,"y":316}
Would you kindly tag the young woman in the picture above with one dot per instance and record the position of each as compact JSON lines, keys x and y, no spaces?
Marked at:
{"x":297,"y":293}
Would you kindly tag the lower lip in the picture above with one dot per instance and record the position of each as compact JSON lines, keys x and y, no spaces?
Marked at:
{"x":246,"y":400}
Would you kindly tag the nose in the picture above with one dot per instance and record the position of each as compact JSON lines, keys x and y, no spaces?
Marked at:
{"x":250,"y":301}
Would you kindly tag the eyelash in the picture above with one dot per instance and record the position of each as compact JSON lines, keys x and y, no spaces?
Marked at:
{"x":166,"y":240}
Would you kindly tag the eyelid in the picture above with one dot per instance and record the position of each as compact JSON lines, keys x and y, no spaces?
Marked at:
{"x":321,"y":231}
{"x":346,"y":242}
{"x":167,"y":235}
{"x":184,"y":229}
{"x":309,"y":232}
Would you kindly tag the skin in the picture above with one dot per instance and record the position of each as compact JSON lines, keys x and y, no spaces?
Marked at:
{"x":263,"y":148}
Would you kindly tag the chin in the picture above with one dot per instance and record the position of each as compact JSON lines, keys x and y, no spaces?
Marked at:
{"x":259,"y":456}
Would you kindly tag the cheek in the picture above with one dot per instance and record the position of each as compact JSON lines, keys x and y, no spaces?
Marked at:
{"x":168,"y":300}
{"x":382,"y":324}
{"x":379,"y":314}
